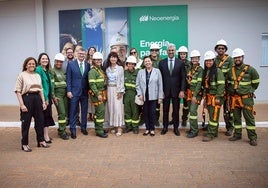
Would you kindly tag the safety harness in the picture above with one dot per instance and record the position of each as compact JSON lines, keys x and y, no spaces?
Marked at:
{"x":102,"y":93}
{"x":223,"y":60}
{"x":211,"y":100}
{"x":237,"y":99}
{"x":189,"y":78}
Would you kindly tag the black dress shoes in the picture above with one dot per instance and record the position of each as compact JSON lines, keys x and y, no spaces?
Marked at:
{"x":103,"y":135}
{"x":73,"y":135}
{"x":177,"y":132}
{"x":164,"y":131}
{"x":84,"y":131}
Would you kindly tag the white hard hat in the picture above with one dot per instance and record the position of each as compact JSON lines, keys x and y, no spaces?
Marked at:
{"x":97,"y":55}
{"x":131,"y":59}
{"x":183,"y":49}
{"x":238,"y":52}
{"x":209,"y":55}
{"x":118,"y":39}
{"x":59,"y":57}
{"x":154,"y":46}
{"x":195,"y":53}
{"x":221,"y":43}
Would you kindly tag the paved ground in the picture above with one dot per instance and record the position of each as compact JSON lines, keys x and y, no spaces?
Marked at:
{"x":133,"y":160}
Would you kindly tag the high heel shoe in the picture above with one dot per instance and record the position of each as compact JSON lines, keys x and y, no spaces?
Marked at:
{"x":146,"y":133}
{"x":49,"y":141}
{"x":26,"y":148}
{"x":41,"y":144}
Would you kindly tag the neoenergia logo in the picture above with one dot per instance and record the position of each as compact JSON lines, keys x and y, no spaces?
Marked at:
{"x":147,"y":18}
{"x":144,"y":18}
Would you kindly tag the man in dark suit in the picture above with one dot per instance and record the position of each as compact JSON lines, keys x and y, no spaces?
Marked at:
{"x":77,"y":91}
{"x":173,"y":75}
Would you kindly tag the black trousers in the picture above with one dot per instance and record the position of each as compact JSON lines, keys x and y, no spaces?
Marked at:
{"x":33,"y":103}
{"x":175,"y":111}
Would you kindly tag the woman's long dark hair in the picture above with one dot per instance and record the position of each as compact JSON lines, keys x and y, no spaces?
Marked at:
{"x":213,"y":71}
{"x":112,"y":54}
{"x":48,"y":67}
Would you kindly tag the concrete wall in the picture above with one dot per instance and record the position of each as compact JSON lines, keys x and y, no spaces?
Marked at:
{"x":29,"y":27}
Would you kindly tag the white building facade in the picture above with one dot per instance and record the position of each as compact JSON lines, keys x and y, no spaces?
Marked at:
{"x":29,"y":27}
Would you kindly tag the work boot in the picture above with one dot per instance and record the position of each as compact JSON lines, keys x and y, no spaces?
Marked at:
{"x":136,"y":131}
{"x":253,"y":142}
{"x":207,"y":138}
{"x":191,"y":135}
{"x":128,"y":129}
{"x":228,"y":133}
{"x":64,"y":136}
{"x":235,"y":138}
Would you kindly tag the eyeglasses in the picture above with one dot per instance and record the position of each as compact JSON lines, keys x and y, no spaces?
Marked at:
{"x":220,"y":48}
{"x":154,"y":50}
{"x":133,"y":52}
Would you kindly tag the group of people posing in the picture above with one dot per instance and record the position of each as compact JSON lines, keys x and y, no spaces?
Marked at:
{"x":108,"y":90}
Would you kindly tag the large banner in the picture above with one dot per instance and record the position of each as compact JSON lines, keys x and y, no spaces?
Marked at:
{"x":126,"y":27}
{"x":158,"y":24}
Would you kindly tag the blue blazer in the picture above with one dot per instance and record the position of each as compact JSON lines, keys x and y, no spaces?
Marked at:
{"x":76,"y":82}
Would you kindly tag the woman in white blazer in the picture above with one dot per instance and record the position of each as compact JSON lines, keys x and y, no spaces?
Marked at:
{"x":149,"y":88}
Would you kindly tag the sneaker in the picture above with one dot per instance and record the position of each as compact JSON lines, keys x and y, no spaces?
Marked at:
{"x":253,"y":142}
{"x":235,"y":138}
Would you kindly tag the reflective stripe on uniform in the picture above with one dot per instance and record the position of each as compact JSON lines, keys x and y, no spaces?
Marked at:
{"x":128,"y":120}
{"x":62,"y":121}
{"x":130,"y":85}
{"x":251,"y":127}
{"x":238,"y":126}
{"x":193,"y":117}
{"x":244,"y":83}
{"x":255,"y":81}
{"x":60,"y":83}
{"x":99,"y":120}
{"x":135,"y":121}
{"x":220,"y":82}
{"x":95,"y":80}
{"x":215,"y":124}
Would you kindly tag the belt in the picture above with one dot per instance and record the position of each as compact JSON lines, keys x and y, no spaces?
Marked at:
{"x":32,"y":93}
{"x":111,"y":85}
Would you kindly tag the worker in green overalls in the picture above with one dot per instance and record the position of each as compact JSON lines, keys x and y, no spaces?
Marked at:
{"x":243,"y":80}
{"x":213,"y":84}
{"x":130,"y":107}
{"x":194,"y":91}
{"x":98,"y":94}
{"x":59,"y":96}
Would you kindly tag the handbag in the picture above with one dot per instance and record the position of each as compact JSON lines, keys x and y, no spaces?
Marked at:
{"x":138,"y":101}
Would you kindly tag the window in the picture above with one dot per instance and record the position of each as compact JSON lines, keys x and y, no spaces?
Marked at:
{"x":264,"y":54}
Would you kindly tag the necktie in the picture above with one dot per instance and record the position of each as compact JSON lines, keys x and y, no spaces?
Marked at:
{"x":81,"y":68}
{"x":170,"y":66}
